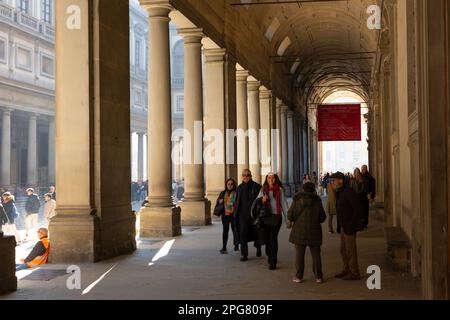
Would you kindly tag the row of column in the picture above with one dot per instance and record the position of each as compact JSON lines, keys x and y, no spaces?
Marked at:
{"x":6,"y":147}
{"x":140,"y":154}
{"x":234,"y":100}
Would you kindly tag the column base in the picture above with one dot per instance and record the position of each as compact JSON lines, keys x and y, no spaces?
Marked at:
{"x":196,"y":213}
{"x":8,"y":280}
{"x":77,"y":239}
{"x":160,"y":222}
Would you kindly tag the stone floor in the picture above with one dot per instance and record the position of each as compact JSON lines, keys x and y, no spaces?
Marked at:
{"x":194,"y":269}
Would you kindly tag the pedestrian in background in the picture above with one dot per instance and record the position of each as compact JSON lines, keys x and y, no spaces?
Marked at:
{"x":307,"y":215}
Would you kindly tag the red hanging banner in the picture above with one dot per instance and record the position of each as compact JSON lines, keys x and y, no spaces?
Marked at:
{"x":339,"y":122}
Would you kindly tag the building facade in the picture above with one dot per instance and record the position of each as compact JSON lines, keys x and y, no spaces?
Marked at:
{"x":27,"y":87}
{"x":27,"y":97}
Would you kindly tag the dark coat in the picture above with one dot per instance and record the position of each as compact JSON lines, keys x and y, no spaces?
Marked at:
{"x":10,"y":210}
{"x":349,"y":210}
{"x":370,"y":184}
{"x":308,"y":214}
{"x":3,"y":216}
{"x":33,"y":204}
{"x":242,"y":208}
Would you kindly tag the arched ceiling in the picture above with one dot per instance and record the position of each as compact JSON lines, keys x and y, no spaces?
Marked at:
{"x":321,"y":46}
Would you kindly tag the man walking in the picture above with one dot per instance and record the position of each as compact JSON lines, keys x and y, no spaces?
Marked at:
{"x":32,"y":210}
{"x":348,"y":207}
{"x":246,"y":194}
{"x":370,"y":186}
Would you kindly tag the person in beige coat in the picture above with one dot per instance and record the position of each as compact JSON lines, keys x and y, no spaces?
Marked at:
{"x":331,"y":207}
{"x":49,"y":207}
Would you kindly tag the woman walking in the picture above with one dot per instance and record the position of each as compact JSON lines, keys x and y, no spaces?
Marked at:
{"x":307,"y":214}
{"x":274,"y":199}
{"x":225,"y":209}
{"x":10,"y":209}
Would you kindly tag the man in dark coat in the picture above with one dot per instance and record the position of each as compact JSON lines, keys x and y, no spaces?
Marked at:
{"x":32,"y":207}
{"x":246,"y":194}
{"x":370,"y":187}
{"x":349,"y":210}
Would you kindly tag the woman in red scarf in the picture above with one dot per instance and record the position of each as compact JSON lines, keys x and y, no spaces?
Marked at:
{"x":273,"y":197}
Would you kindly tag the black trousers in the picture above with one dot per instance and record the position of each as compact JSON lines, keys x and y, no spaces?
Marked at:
{"x":300,"y":261}
{"x":272,"y":232}
{"x":365,"y":217}
{"x":228,"y":221}
{"x":247,"y":233}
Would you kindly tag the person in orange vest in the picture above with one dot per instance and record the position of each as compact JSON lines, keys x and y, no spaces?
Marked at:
{"x":39,"y":255}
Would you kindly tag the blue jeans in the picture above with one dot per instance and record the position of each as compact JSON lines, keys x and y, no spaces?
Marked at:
{"x":20,"y":267}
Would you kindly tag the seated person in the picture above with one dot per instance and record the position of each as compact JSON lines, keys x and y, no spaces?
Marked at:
{"x":39,"y":255}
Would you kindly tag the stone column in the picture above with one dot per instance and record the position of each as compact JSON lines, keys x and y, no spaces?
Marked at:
{"x":32,"y":174}
{"x":51,"y":152}
{"x":94,"y":218}
{"x":242,"y":121}
{"x":290,"y":139}
{"x":195,"y":207}
{"x":296,"y":153}
{"x":161,"y":217}
{"x":266,"y":131}
{"x":218,"y":110}
{"x":6,"y":149}
{"x":300,"y":152}
{"x":284,"y":148}
{"x":254,"y":124}
{"x":279,"y":147}
{"x":140,"y":159}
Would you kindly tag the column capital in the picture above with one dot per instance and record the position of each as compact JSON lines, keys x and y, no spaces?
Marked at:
{"x":264,"y":93}
{"x":215,"y":55}
{"x":283,"y":108}
{"x":6,"y":110}
{"x":253,"y":84}
{"x":32,"y":116}
{"x":157,"y":9}
{"x":191,"y":35}
{"x":290,"y":113}
{"x":242,"y":75}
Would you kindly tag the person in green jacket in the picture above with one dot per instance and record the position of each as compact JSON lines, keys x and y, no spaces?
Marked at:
{"x":307,"y":215}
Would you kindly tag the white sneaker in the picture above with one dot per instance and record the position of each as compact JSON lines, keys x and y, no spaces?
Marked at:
{"x":297,"y":280}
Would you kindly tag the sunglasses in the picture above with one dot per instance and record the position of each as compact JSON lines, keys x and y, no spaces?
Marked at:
{"x":246,"y":175}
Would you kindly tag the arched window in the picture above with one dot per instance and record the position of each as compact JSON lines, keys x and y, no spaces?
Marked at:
{"x":178,"y":60}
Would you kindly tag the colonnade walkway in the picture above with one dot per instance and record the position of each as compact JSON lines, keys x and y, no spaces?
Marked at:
{"x":194,"y":269}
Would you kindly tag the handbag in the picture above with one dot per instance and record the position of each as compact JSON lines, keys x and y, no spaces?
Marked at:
{"x":219,"y":209}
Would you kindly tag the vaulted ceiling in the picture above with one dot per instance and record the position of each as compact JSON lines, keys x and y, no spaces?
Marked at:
{"x":319,"y":45}
{"x":314,"y":47}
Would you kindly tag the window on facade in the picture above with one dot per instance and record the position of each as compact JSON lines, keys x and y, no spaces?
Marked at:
{"x":180,"y":104}
{"x":24,"y":5}
{"x":2,"y":50}
{"x":47,"y":11}
{"x":137,"y":54}
{"x":138,"y":98}
{"x":47,"y":66}
{"x":23,"y":58}
{"x":178,"y":60}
